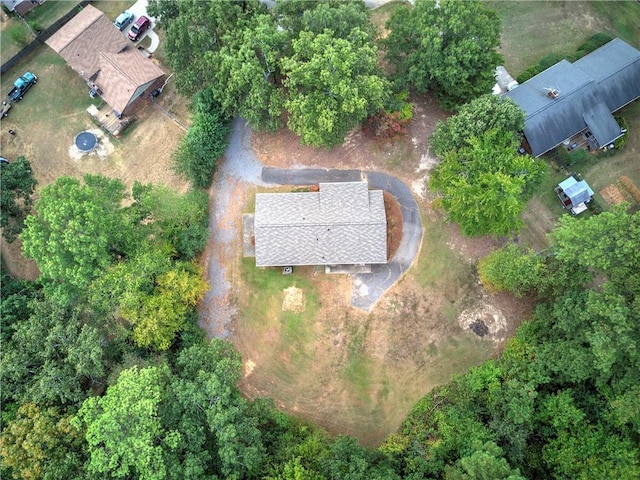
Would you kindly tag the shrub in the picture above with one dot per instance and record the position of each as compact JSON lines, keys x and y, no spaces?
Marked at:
{"x":19,"y":35}
{"x":198,"y":152}
{"x":595,"y":41}
{"x":624,"y":126}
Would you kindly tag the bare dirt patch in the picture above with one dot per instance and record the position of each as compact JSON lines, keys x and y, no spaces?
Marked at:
{"x":612,"y":195}
{"x":293,"y":300}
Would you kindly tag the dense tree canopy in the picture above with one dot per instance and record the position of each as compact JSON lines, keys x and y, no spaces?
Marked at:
{"x":446,"y":46}
{"x":196,"y":31}
{"x":41,"y":444}
{"x":475,"y":118}
{"x":18,"y":184}
{"x":333,"y":85}
{"x":78,"y":231}
{"x":485,"y":186}
{"x":314,"y":60}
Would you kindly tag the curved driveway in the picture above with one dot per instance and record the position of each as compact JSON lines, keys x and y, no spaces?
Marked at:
{"x":239,"y":167}
{"x":367,"y":288}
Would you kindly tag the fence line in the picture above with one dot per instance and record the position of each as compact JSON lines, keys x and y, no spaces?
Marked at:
{"x":43,"y":36}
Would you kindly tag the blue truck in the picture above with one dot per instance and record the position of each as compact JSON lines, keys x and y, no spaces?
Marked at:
{"x":21,"y":85}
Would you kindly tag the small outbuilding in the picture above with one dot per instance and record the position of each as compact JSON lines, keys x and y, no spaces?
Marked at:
{"x":574,"y":194}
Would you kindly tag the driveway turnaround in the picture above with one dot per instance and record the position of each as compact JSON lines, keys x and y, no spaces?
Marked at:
{"x":367,"y":288}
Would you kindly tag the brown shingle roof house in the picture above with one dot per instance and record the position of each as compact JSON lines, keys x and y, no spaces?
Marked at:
{"x":101,"y":54}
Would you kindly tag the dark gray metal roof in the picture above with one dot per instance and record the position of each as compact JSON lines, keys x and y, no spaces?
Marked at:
{"x":589,"y":90}
{"x":343,"y":223}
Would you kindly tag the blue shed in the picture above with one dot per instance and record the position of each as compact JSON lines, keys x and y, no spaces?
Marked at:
{"x":574,"y":194}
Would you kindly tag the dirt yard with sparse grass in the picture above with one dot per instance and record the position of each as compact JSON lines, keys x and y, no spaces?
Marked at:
{"x":350,"y":371}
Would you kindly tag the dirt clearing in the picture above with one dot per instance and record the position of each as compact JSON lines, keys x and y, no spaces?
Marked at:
{"x":354,"y":372}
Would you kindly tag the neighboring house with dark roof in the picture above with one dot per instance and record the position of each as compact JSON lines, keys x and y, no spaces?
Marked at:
{"x":341,"y":224}
{"x":110,"y":63}
{"x":569,"y":99}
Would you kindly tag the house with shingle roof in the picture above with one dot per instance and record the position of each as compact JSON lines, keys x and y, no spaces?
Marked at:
{"x":110,"y":63}
{"x":579,"y":98}
{"x":340,"y":224}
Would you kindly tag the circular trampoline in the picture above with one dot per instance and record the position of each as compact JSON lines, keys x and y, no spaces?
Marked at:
{"x":86,"y":141}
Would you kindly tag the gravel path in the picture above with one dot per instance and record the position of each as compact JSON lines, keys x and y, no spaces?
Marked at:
{"x":238,"y":167}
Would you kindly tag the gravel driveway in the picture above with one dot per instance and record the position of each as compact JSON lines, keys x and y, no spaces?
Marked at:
{"x":240,"y":168}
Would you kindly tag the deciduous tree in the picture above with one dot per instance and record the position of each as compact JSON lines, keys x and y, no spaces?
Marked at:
{"x":124,"y":429}
{"x":41,"y":444}
{"x":248,"y":66}
{"x":77,"y":231}
{"x":485,"y":186}
{"x":18,"y":185}
{"x":446,"y":46}
{"x":475,"y":118}
{"x":333,"y":85}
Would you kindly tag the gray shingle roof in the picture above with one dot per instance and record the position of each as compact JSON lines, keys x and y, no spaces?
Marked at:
{"x":343,"y":223}
{"x":590,"y":89}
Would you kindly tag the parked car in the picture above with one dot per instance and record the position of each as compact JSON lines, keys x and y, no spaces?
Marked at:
{"x":124,"y":19}
{"x":21,"y":85}
{"x":138,"y":28}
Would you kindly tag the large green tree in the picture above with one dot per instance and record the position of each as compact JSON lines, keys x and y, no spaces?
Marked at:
{"x":196,"y":31}
{"x":248,"y":66}
{"x":18,"y":185}
{"x":77,"y":231}
{"x":333,"y":85}
{"x":486,"y":185}
{"x":52,"y":357}
{"x":475,"y":118}
{"x":124,"y":430}
{"x":206,"y":140}
{"x":447,"y":46}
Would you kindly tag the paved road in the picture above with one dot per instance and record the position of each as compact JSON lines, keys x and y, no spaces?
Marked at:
{"x":367,"y":288}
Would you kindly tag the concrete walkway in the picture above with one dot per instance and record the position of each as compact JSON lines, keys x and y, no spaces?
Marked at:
{"x":367,"y":288}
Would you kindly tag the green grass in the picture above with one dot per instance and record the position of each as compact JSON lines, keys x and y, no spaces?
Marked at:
{"x":544,"y":192}
{"x":264,"y":308}
{"x":55,"y":108}
{"x":45,"y":15}
{"x":531,"y":30}
{"x":624,"y":18}
{"x":112,"y":8}
{"x":13,"y":38}
{"x":437,"y":264}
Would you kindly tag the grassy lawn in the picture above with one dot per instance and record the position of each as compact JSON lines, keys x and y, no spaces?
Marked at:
{"x":13,"y":37}
{"x":531,"y":30}
{"x":45,"y":15}
{"x":624,"y":18}
{"x":56,"y":104}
